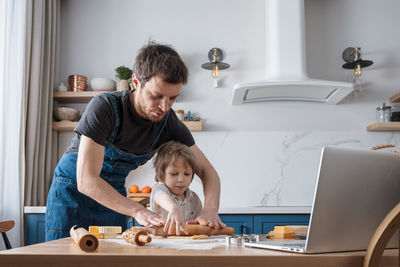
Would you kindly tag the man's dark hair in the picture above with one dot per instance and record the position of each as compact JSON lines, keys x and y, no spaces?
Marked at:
{"x":157,"y":59}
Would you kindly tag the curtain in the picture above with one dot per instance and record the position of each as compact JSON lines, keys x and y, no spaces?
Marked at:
{"x":41,"y":69}
{"x":12,"y":40}
{"x":29,"y":52}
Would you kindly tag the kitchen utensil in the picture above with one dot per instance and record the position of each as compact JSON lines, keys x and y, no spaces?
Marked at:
{"x":238,"y":240}
{"x":85,"y":240}
{"x":139,"y":238}
{"x":193,"y":229}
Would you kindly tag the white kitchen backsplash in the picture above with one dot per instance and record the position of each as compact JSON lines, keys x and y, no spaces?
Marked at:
{"x":263,"y":168}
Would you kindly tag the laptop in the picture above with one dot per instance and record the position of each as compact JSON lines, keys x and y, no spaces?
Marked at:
{"x":356,"y":188}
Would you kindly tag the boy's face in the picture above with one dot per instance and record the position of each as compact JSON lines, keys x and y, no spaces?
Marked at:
{"x":155,"y":98}
{"x":178,"y":177}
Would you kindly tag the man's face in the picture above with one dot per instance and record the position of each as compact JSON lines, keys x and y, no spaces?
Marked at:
{"x":154,"y":99}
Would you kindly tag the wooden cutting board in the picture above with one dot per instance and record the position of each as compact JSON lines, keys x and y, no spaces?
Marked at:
{"x":193,"y":229}
{"x":142,"y":198}
{"x":139,"y":195}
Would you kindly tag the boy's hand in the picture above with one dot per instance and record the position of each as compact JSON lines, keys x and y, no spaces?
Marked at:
{"x":175,"y":220}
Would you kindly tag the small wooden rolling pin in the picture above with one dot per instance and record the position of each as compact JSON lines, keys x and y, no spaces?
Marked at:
{"x":139,"y":238}
{"x":85,"y":240}
{"x":193,"y":229}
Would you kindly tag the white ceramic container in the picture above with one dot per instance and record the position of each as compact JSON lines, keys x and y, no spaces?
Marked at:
{"x":102,"y":84}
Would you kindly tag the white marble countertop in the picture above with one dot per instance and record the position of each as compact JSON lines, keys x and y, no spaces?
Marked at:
{"x":225,"y":210}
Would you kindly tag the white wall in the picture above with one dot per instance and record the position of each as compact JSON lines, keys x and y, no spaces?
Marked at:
{"x":99,"y":35}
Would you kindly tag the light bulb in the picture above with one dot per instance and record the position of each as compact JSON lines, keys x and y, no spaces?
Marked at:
{"x":215,"y":71}
{"x":357,"y":70}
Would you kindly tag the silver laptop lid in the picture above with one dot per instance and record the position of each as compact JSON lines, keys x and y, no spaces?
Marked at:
{"x":356,"y":188}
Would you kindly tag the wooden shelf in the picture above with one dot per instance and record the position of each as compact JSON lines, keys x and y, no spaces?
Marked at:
{"x":75,"y":97}
{"x":85,"y":97}
{"x":69,"y":126}
{"x":384,"y":126}
{"x":194,"y":126}
{"x":395,"y":98}
{"x":64,"y":126}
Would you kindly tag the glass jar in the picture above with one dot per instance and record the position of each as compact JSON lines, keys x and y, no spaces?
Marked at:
{"x":180,"y":114}
{"x":383,"y":113}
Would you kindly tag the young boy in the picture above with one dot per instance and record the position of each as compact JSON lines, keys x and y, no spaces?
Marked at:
{"x":171,"y":198}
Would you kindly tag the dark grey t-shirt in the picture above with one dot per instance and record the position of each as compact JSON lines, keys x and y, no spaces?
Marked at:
{"x":135,"y":134}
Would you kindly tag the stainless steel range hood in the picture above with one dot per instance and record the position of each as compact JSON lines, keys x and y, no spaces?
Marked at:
{"x":285,"y":55}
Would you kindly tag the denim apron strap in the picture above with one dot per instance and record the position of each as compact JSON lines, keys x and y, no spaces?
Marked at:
{"x":165,"y":119}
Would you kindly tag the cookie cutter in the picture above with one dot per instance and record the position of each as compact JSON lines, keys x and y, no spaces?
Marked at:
{"x":239,"y":240}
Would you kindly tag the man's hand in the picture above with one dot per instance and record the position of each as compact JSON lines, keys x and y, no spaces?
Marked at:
{"x":210,"y":219}
{"x":146,"y":217}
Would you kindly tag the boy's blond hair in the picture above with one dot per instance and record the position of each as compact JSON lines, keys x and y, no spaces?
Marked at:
{"x":170,"y":152}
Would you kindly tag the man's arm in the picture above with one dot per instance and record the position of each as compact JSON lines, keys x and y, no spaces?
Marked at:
{"x":211,"y":188}
{"x":90,"y":162}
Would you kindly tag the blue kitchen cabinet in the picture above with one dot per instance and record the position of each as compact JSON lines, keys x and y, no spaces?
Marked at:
{"x":263,"y":224}
{"x":35,"y":228}
{"x":243,"y":224}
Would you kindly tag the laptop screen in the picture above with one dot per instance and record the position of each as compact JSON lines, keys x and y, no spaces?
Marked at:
{"x":356,"y":189}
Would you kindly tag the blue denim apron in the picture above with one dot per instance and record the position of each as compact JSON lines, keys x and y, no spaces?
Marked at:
{"x":67,"y":207}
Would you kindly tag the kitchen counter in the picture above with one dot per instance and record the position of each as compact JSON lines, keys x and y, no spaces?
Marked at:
{"x":64,"y":252}
{"x":226,"y":210}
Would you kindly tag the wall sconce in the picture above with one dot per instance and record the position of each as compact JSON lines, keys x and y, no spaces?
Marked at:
{"x":352,"y":56}
{"x":215,"y":56}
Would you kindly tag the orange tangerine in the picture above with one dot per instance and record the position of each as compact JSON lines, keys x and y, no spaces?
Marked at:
{"x":134,"y":189}
{"x":146,"y":189}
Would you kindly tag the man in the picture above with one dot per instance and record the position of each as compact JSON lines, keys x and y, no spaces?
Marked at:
{"x":118,"y":132}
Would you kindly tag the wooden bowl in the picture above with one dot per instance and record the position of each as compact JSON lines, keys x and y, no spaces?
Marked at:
{"x":63,"y":113}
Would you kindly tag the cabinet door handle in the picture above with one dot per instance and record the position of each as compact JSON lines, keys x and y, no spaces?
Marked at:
{"x":243,"y":229}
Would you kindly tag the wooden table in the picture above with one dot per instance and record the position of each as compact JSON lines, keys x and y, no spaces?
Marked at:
{"x":64,"y":252}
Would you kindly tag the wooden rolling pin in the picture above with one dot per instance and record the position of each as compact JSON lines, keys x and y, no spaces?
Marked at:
{"x":85,"y":240}
{"x":193,"y":229}
{"x":139,"y":238}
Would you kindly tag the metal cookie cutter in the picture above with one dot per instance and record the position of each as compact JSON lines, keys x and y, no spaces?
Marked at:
{"x":239,"y":240}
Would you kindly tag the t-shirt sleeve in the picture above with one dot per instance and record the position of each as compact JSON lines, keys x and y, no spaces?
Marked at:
{"x":179,"y":131}
{"x":98,"y":120}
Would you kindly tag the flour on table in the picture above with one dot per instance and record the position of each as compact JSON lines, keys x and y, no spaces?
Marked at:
{"x":179,"y":244}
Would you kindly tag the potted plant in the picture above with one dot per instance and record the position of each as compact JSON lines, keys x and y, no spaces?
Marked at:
{"x":123,"y":74}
